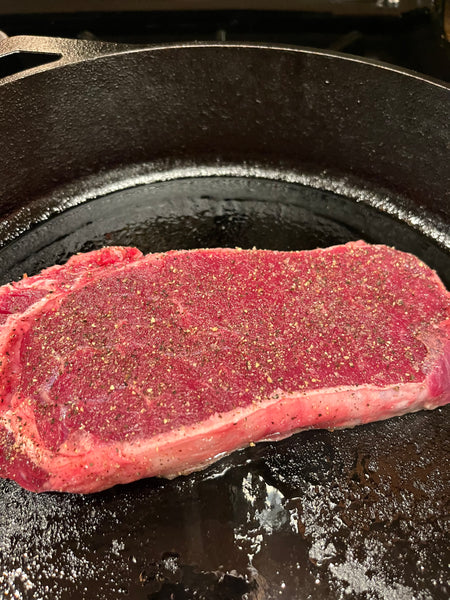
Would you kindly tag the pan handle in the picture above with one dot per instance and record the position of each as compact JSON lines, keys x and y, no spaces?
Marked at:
{"x":20,"y":55}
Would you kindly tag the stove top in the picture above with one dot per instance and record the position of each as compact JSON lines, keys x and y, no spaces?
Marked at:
{"x":405,"y":33}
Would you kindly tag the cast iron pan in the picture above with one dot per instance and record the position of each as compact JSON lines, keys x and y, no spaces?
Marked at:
{"x":225,"y":145}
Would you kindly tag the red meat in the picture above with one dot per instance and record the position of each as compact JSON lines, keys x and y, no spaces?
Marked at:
{"x":118,"y":366}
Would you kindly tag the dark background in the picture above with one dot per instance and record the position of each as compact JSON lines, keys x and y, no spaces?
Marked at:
{"x":408,"y":33}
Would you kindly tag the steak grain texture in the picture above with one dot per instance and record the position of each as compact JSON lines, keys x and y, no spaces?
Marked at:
{"x":118,"y":366}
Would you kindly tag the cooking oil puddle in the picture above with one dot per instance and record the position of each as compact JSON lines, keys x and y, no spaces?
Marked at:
{"x":266,"y":515}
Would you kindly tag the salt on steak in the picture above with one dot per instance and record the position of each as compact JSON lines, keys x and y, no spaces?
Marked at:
{"x":118,"y":366}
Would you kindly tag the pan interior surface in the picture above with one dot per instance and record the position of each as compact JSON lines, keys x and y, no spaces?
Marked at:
{"x":349,"y":514}
{"x":202,"y":212}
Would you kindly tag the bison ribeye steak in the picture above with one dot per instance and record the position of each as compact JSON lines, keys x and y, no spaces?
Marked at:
{"x":118,"y":366}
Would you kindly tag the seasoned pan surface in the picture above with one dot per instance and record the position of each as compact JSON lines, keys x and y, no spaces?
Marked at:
{"x":357,"y":513}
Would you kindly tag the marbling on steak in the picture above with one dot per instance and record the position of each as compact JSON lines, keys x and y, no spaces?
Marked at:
{"x":118,"y":366}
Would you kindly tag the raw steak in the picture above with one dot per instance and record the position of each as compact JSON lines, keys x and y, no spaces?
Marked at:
{"x":118,"y":366}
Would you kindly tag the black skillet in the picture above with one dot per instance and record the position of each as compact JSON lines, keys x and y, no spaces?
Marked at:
{"x":223,"y":145}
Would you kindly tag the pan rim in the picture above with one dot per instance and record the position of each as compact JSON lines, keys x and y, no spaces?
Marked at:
{"x":75,"y":52}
